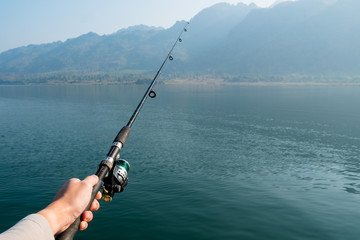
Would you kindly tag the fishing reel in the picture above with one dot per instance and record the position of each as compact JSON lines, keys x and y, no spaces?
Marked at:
{"x":116,"y":180}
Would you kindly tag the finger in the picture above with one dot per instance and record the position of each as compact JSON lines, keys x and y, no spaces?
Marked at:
{"x":92,"y":180}
{"x":83,"y":226}
{"x":98,"y":195}
{"x":87,"y":216}
{"x":95,"y":205}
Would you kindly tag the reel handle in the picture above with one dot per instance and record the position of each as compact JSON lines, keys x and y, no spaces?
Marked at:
{"x":70,"y":232}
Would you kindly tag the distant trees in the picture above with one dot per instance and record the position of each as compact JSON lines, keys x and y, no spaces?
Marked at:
{"x":74,"y":78}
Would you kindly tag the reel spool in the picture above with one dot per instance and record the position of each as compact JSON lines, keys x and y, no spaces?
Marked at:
{"x":116,"y":181}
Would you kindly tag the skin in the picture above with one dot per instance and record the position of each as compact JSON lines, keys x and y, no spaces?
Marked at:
{"x":70,"y":202}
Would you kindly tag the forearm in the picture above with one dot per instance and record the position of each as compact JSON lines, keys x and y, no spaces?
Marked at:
{"x":32,"y":227}
{"x":68,"y":204}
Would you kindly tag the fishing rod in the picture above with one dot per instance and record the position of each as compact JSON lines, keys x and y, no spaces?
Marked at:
{"x":113,"y":171}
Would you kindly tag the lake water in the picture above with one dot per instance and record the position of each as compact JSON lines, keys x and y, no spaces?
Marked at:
{"x":207,"y":162}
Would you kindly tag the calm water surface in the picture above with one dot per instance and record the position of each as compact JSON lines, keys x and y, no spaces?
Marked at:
{"x":207,"y":162}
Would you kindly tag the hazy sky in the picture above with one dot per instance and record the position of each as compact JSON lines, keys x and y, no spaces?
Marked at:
{"x":24,"y":22}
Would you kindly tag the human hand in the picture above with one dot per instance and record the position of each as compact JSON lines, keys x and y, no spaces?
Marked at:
{"x":68,"y":204}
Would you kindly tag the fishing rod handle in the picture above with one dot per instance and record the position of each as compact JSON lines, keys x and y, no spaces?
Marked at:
{"x":104,"y":168}
{"x":70,"y":232}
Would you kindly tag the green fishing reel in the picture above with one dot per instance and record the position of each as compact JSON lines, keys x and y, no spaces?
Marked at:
{"x":116,"y":180}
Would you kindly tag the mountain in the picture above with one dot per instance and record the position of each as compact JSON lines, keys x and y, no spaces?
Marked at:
{"x":135,"y":48}
{"x":87,"y":53}
{"x":211,"y":27}
{"x":305,"y":37}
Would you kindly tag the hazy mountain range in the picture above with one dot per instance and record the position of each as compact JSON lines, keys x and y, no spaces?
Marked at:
{"x":302,"y":38}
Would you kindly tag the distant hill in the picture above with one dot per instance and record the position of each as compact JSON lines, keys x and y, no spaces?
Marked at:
{"x":235,"y":42}
{"x":306,"y":37}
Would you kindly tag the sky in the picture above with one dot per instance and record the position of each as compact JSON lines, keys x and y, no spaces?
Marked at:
{"x":24,"y":22}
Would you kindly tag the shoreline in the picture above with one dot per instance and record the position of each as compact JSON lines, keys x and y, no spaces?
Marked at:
{"x":258,"y":83}
{"x":207,"y":82}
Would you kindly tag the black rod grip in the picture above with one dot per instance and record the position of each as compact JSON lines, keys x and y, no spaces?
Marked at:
{"x":70,"y":232}
{"x":123,"y":135}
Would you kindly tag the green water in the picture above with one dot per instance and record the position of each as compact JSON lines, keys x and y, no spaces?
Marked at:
{"x":207,"y":162}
